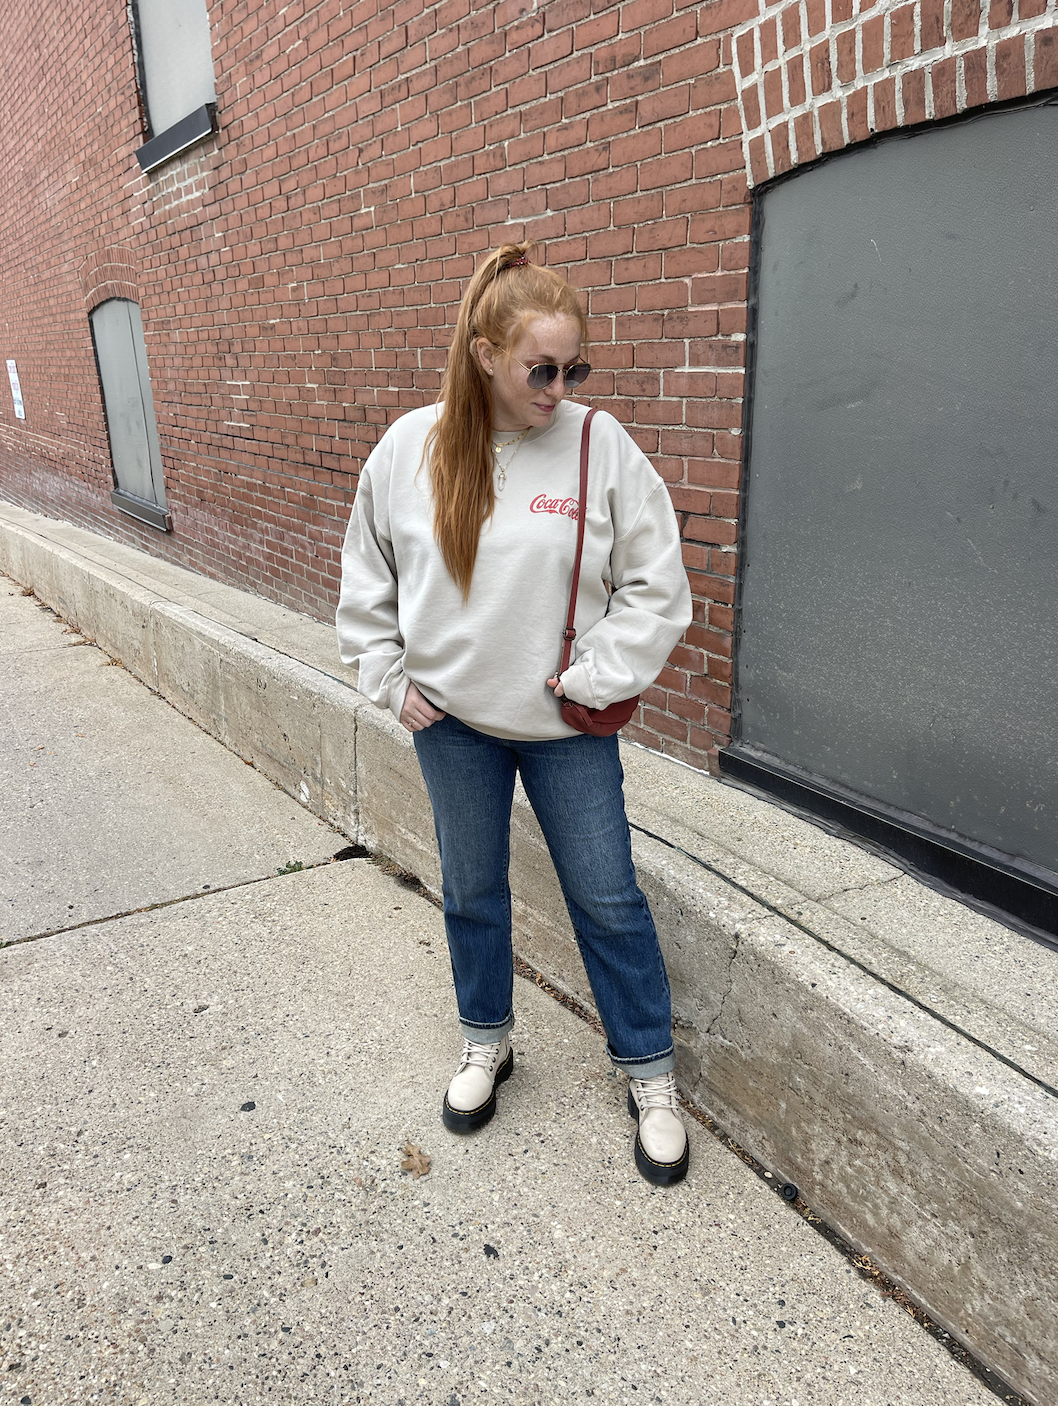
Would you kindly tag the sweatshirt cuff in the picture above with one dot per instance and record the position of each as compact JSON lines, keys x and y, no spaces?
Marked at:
{"x":577,"y":685}
{"x":398,"y":691}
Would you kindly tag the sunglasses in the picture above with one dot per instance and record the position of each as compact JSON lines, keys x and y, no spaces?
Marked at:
{"x":545,"y":372}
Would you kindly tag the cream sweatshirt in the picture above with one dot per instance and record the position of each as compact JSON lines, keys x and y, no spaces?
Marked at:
{"x":402,"y":618}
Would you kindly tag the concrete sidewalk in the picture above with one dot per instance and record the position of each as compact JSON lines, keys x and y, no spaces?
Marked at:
{"x":205,"y":1106}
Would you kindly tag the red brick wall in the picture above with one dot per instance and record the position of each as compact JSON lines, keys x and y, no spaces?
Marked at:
{"x":298,"y":273}
{"x":817,"y":76}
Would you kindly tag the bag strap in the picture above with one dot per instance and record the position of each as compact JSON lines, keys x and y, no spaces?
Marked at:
{"x":569,"y":634}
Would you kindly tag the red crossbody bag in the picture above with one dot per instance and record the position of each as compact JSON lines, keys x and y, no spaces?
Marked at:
{"x":598,"y":722}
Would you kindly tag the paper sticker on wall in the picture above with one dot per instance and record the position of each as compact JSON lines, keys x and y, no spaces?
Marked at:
{"x":16,"y":390}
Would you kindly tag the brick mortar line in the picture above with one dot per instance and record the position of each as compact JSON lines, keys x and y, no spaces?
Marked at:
{"x":191,"y":182}
{"x":889,"y":67}
{"x":986,"y":40}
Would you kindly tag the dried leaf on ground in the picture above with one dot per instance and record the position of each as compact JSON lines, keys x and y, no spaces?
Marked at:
{"x":415,"y":1161}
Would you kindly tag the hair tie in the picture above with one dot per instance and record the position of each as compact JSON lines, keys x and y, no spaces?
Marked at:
{"x":521,"y":263}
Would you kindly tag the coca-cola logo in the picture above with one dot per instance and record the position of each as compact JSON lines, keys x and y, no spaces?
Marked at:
{"x":565,"y":507}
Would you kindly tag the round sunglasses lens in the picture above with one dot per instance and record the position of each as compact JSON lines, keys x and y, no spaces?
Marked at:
{"x":578,"y":373}
{"x":541,"y":376}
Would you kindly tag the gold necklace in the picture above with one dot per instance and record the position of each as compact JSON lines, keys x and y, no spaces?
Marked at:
{"x":497,"y":446}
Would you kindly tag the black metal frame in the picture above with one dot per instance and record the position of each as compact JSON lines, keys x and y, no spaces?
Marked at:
{"x":141,"y":509}
{"x":1006,"y":888}
{"x":193,"y":128}
{"x":1047,"y":98}
{"x":752,"y":312}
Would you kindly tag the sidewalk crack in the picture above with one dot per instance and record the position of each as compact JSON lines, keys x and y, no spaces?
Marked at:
{"x":862,"y":888}
{"x":825,"y":942}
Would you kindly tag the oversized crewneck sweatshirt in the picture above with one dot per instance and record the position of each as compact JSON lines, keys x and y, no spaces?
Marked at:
{"x":401,"y":617}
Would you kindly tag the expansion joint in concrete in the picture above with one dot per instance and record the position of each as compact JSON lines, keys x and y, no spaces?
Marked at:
{"x":920,"y":1110}
{"x":349,"y":852}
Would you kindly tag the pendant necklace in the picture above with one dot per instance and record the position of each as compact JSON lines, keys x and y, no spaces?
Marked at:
{"x":500,"y":444}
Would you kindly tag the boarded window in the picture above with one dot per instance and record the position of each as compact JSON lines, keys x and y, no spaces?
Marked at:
{"x":898,"y":641}
{"x":176,"y":59}
{"x":121,"y":355}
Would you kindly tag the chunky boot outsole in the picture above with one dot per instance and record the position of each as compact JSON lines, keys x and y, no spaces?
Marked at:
{"x":660,"y":1173}
{"x":457,"y":1120}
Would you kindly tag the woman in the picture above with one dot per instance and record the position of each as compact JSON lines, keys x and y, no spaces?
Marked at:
{"x":455,"y":585}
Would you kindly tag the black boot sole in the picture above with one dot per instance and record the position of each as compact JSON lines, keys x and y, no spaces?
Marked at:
{"x":658,"y":1173}
{"x":458,"y":1121}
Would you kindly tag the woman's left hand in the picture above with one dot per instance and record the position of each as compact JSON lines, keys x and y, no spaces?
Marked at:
{"x":418,"y":712}
{"x":560,"y":692}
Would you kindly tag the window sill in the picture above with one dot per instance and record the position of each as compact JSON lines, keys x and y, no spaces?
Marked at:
{"x":1004,"y":887}
{"x":142,"y":510}
{"x":186,"y":133}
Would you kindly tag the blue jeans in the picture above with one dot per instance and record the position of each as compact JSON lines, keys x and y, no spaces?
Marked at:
{"x":574,"y":786}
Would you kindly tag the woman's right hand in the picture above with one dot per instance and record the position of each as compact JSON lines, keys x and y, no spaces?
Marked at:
{"x":417,"y":712}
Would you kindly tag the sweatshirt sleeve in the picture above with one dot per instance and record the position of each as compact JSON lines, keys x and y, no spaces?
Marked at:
{"x":648,"y":611}
{"x":369,"y":636}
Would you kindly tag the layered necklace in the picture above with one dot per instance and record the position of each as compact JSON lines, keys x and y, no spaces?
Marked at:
{"x":498,"y":446}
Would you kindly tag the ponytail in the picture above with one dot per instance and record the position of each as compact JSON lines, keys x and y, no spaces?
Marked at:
{"x":503,"y":295}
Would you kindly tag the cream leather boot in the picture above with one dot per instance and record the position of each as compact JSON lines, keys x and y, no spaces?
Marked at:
{"x":661,"y":1147}
{"x":471,"y":1098}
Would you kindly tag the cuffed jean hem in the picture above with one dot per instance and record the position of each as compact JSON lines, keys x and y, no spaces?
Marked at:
{"x":486,"y":1034}
{"x":646,"y":1068}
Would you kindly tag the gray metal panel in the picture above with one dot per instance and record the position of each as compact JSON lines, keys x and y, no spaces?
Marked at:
{"x":117,"y":330}
{"x":177,"y":58}
{"x":899,"y":620}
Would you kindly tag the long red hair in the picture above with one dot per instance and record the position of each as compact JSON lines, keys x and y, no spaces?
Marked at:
{"x":502,"y":297}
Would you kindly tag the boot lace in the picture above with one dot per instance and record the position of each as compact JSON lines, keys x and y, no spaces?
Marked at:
{"x":659,"y":1092}
{"x":482,"y":1056}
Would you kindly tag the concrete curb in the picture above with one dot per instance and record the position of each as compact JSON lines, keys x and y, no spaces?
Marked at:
{"x":921,"y":1142}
